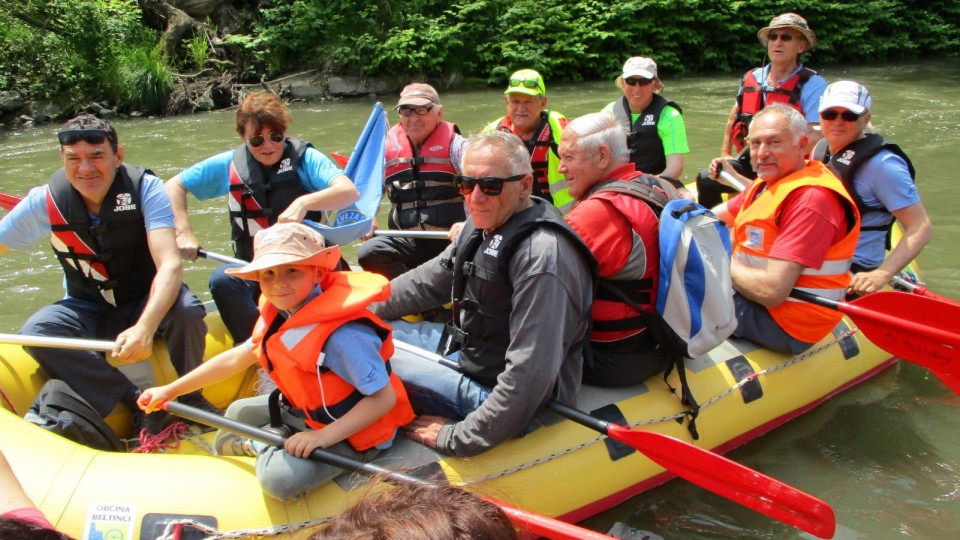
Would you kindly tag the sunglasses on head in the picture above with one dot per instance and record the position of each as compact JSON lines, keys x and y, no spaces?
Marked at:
{"x":489,"y":185}
{"x":848,"y":116}
{"x":274,"y":136}
{"x":783,"y":36}
{"x":419,"y":111}
{"x":533,"y":84}
{"x":90,"y":136}
{"x":633,"y":81}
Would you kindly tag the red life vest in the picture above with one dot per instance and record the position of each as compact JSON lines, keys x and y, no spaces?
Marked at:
{"x":289,"y":354}
{"x":539,"y":147}
{"x":753,"y":97}
{"x":420,"y":188}
{"x":639,"y":199}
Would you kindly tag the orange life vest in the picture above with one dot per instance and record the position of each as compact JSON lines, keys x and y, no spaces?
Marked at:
{"x":756,"y":228}
{"x":289,"y":354}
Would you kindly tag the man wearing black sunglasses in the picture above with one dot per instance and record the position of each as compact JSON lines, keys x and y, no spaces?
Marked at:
{"x":515,"y":266}
{"x":539,"y":128}
{"x":269,"y":178}
{"x":112,"y":231}
{"x":422,"y":157}
{"x":880,"y":177}
{"x":783,"y":80}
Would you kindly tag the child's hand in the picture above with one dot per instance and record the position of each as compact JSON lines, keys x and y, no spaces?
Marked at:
{"x":302,"y":444}
{"x":152,"y":398}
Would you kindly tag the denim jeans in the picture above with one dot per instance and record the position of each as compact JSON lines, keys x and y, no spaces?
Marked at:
{"x":433,"y":388}
{"x":755,"y":323}
{"x":236,"y":300}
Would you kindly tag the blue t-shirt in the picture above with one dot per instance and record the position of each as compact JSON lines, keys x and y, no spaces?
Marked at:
{"x":884,"y":180}
{"x":28,"y":222}
{"x":809,"y":94}
{"x":211,"y":177}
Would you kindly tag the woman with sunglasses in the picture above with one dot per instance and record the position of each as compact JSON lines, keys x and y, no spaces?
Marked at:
{"x":783,"y":80}
{"x":657,"y":137}
{"x":269,"y":178}
{"x":880,"y":178}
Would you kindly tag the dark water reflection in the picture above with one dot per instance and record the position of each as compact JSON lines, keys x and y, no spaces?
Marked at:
{"x":885,"y":455}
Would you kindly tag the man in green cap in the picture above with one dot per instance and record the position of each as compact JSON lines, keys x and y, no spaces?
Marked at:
{"x":528,"y":118}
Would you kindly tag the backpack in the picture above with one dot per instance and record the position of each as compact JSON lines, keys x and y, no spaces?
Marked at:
{"x":695,"y":310}
{"x":62,"y":411}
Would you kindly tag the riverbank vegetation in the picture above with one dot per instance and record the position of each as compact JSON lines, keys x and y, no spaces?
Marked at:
{"x":171,"y":56}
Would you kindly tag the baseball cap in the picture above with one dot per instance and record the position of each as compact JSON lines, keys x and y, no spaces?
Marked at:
{"x":640,"y":66}
{"x":526,"y":81}
{"x":850,"y":95}
{"x":287,"y":243}
{"x":418,"y":95}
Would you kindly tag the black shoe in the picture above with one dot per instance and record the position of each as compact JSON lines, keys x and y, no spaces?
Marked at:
{"x":197,"y":400}
{"x":153,"y":422}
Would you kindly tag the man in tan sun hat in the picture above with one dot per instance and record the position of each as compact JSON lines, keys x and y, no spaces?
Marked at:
{"x":422,"y":155}
{"x":322,"y":347}
{"x":783,"y":80}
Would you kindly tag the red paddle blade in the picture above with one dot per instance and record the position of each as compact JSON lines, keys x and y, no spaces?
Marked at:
{"x":8,"y":201}
{"x":915,"y":328}
{"x":731,"y":480}
{"x":341,"y":160}
{"x":539,"y":525}
{"x":950,"y":381}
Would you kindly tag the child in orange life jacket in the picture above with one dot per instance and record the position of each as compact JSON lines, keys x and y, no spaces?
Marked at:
{"x":325,"y":351}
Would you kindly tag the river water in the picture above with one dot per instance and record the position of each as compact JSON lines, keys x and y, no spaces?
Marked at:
{"x":885,"y":455}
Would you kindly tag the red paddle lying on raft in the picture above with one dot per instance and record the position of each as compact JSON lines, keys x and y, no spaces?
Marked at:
{"x":535,"y":524}
{"x":702,"y":467}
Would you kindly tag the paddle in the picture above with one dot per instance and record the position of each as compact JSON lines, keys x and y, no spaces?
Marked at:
{"x":924,"y":331}
{"x":708,"y":470}
{"x":535,"y":524}
{"x":219,"y":258}
{"x":8,"y":201}
{"x":734,"y":183}
{"x":950,"y":381}
{"x":58,"y":342}
{"x":439,"y":235}
{"x":918,"y":289}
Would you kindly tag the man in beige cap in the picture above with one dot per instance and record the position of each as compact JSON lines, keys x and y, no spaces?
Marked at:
{"x":783,"y":80}
{"x":539,"y":129}
{"x":423,"y":156}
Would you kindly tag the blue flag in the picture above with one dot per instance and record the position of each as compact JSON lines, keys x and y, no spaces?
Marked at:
{"x":365,"y":168}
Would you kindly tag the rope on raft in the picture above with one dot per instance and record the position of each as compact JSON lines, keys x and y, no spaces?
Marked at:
{"x":151,"y":444}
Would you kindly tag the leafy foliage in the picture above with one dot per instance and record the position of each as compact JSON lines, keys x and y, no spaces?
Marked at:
{"x":84,"y":49}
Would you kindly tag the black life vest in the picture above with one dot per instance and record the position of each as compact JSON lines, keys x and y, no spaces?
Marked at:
{"x":849,"y":160}
{"x":110,"y":262}
{"x":259,"y":194}
{"x":753,"y":97}
{"x":646,"y":147}
{"x":421,"y":188}
{"x":482,"y":291}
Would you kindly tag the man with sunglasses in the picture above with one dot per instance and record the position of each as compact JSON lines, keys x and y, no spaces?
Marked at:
{"x":795,"y":227}
{"x":656,"y":135}
{"x":880,"y":177}
{"x":616,"y":215}
{"x":783,"y":80}
{"x":112,"y":230}
{"x":539,"y":128}
{"x":515,"y":266}
{"x":269,"y":178}
{"x":422,"y":158}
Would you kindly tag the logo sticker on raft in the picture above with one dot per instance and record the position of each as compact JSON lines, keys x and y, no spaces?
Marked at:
{"x":109,"y":521}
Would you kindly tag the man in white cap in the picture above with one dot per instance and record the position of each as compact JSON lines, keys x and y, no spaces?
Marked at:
{"x":656,"y":136}
{"x":783,"y":80}
{"x":880,"y":178}
{"x":423,"y":157}
{"x":539,"y":128}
